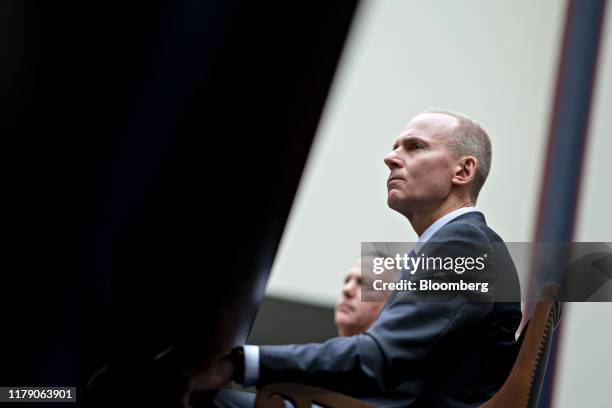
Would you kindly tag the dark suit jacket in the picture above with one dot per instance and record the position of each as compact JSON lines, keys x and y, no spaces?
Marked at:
{"x":455,"y":353}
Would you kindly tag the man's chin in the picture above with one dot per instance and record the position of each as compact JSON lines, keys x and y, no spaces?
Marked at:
{"x":343,"y":317}
{"x":397,"y":203}
{"x":393,"y":200}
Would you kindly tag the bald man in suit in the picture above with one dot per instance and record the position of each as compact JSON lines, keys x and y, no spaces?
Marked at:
{"x":452,"y":353}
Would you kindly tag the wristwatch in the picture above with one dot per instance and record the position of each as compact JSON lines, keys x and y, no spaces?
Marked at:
{"x":237,"y":358}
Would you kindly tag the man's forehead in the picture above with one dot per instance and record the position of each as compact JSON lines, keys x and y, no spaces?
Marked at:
{"x":430,"y":124}
{"x":354,"y":270}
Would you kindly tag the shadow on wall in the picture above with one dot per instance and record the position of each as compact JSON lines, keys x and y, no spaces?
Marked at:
{"x":281,"y":321}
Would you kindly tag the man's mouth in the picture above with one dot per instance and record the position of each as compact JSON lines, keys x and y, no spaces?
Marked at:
{"x":344,"y":307}
{"x":391,"y":180}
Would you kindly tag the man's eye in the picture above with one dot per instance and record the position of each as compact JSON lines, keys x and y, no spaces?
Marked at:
{"x":419,"y":146}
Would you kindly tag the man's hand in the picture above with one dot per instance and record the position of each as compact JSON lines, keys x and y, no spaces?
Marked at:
{"x":218,"y":375}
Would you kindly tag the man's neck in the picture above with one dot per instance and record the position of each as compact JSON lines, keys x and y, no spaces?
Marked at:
{"x":421,"y":220}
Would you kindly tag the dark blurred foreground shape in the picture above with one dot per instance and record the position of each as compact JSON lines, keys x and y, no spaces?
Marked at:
{"x":151,"y":155}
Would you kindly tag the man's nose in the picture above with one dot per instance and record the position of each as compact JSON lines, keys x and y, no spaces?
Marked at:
{"x":349,"y":289}
{"x":392,"y":161}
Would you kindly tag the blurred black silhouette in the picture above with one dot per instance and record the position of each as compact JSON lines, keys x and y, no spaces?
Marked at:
{"x":152,"y":152}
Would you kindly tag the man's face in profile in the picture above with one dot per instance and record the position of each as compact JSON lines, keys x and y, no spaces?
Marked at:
{"x":352,"y":316}
{"x":421,"y":165}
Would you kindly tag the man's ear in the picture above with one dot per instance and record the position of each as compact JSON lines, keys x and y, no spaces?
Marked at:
{"x":465,"y":170}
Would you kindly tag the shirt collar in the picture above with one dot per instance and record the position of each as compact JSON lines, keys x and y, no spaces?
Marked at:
{"x":440,"y":222}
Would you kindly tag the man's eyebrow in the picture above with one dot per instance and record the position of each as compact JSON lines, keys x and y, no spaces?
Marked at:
{"x":408,"y":139}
